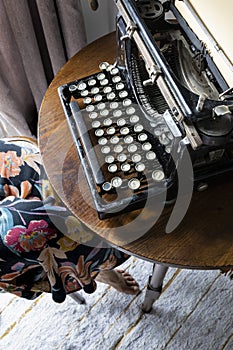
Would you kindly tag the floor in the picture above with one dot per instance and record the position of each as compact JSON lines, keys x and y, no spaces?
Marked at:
{"x":195,"y":311}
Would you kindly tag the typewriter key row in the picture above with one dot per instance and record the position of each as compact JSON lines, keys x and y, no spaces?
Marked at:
{"x":121,"y":141}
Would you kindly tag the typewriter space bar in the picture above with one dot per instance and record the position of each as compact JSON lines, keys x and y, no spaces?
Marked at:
{"x":86,"y":143}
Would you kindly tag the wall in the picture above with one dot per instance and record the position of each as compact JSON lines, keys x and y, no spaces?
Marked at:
{"x":100,"y":22}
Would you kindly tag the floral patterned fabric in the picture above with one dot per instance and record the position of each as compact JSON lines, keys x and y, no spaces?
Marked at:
{"x":43,"y":248}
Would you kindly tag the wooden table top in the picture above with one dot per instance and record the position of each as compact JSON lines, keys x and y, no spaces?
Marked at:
{"x":204,"y":238}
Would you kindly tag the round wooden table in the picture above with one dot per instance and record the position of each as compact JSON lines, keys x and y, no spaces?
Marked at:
{"x":204,"y":238}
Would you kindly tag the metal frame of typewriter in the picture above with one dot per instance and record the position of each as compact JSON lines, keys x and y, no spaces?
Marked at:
{"x":205,"y":121}
{"x":168,"y":70}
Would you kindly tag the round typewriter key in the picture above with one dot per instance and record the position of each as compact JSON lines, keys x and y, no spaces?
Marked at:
{"x":150,"y":155}
{"x":114,"y":71}
{"x":101,"y":76}
{"x":104,"y":112}
{"x":114,"y":105}
{"x":120,"y":86}
{"x":116,"y":79}
{"x":138,"y":127}
{"x":118,"y":149}
{"x":106,"y":186}
{"x":98,"y":97}
{"x":95,"y":90}
{"x":121,"y":157}
{"x":127,"y":102}
{"x":111,"y":96}
{"x":130,"y":110}
{"x":142,"y":137}
{"x":158,"y":175}
{"x":104,"y":82}
{"x":110,"y":67}
{"x":132,"y":148}
{"x":136,"y":158}
{"x":124,"y":130}
{"x":112,"y":168}
{"x":108,"y":122}
{"x":102,"y":141}
{"x":99,"y":132}
{"x":146,"y":146}
{"x":91,"y":82}
{"x":107,"y":89}
{"x":140,"y":167}
{"x":101,"y":106}
{"x":87,"y":100}
{"x":117,"y":113}
{"x":134,"y":184}
{"x":121,"y":122}
{"x":123,"y":94}
{"x":111,"y":130}
{"x":84,"y":93}
{"x":128,"y":139}
{"x":95,"y":124}
{"x":116,"y":182}
{"x":125,"y":167}
{"x":72,"y":88}
{"x":134,"y":118}
{"x":93,"y":115}
{"x":114,"y":140}
{"x":109,"y":159}
{"x":105,"y":149}
{"x":103,"y":65}
{"x":90,"y":108}
{"x":81,"y":85}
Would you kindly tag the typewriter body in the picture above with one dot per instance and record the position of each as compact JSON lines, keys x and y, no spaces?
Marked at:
{"x":169,"y":89}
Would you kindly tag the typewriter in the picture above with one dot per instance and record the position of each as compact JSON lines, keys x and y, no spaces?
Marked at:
{"x":169,"y":89}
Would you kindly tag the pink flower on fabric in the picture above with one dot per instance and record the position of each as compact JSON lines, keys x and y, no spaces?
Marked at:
{"x":33,"y":238}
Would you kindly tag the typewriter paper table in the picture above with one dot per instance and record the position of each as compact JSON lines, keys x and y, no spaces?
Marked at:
{"x":203,"y":240}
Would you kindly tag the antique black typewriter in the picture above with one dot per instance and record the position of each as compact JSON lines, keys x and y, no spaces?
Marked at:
{"x":167,"y":91}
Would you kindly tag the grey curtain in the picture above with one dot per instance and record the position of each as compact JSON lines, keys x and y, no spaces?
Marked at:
{"x":36,"y":38}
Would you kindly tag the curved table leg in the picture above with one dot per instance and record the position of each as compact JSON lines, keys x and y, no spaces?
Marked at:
{"x":154,"y":287}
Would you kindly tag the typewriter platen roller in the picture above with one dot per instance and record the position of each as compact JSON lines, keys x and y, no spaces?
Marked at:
{"x":131,"y":120}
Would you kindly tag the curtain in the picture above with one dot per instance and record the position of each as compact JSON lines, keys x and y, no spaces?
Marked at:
{"x":36,"y":38}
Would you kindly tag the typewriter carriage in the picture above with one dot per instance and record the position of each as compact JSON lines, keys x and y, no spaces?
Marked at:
{"x":197,"y":77}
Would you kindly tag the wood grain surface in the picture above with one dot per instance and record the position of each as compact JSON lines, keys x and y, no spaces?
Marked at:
{"x":204,"y":238}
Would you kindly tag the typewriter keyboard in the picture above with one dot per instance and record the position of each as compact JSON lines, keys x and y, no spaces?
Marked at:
{"x":124,"y":154}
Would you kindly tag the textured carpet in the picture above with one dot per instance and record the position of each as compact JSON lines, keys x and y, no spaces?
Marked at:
{"x":194,"y":312}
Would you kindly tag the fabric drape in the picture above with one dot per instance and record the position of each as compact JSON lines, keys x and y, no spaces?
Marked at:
{"x":36,"y":38}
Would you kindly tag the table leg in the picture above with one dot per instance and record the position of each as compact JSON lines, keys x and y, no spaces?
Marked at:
{"x":154,"y":287}
{"x":77,"y":297}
